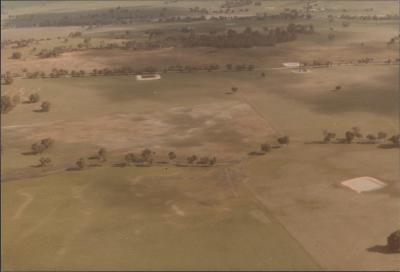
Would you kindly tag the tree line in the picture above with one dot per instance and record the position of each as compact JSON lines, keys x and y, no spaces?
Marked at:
{"x":247,"y":38}
{"x":9,"y":102}
{"x":354,"y":135}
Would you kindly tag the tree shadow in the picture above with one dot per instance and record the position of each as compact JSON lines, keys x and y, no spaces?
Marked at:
{"x":143,"y":165}
{"x":381,"y":249}
{"x":120,"y":164}
{"x":161,"y":162}
{"x":388,"y":146}
{"x":316,"y":142}
{"x":256,"y":153}
{"x":29,"y":153}
{"x":94,"y":165}
{"x":75,"y":168}
{"x":341,"y":141}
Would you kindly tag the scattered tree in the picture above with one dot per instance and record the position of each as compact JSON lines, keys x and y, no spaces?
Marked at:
{"x":356,"y":132}
{"x":147,"y":155}
{"x":213,"y":160}
{"x":47,"y":142}
{"x":371,"y":137}
{"x":393,"y":242}
{"x":6,"y":104}
{"x":265,"y":147}
{"x":38,"y":148}
{"x":382,"y":135}
{"x":283,"y":140}
{"x":34,"y":98}
{"x":44,"y":161}
{"x":81,"y":163}
{"x":171,"y":156}
{"x":328,"y":136}
{"x":204,"y":160}
{"x":16,"y":99}
{"x":349,"y":136}
{"x":102,"y":154}
{"x":131,"y":158}
{"x":191,"y":159}
{"x":8,"y":79}
{"x":16,"y":55}
{"x":395,"y":139}
{"x":45,"y":107}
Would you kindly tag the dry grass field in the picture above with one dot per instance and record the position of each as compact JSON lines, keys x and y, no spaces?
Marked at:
{"x":284,"y":210}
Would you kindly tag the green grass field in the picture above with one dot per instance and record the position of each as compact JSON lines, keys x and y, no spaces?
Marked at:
{"x":107,"y":210}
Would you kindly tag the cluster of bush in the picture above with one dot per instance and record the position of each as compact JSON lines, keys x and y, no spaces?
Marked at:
{"x":51,"y":53}
{"x":236,"y":3}
{"x":16,"y":43}
{"x":75,"y":34}
{"x":205,"y":160}
{"x":35,"y":98}
{"x":229,"y":10}
{"x":328,"y":63}
{"x":8,"y":103}
{"x":41,"y":146}
{"x":147,"y":157}
{"x":365,"y":60}
{"x":185,"y":19}
{"x":370,"y":17}
{"x":190,"y":68}
{"x":118,"y":16}
{"x":267,"y":146}
{"x":393,"y":40}
{"x":16,"y":55}
{"x":56,"y":73}
{"x":7,"y":78}
{"x":355,"y":135}
{"x":317,"y":63}
{"x":198,"y":10}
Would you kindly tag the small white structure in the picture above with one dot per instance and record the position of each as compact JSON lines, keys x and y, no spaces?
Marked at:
{"x":148,"y":77}
{"x":291,"y":64}
{"x":363,"y":184}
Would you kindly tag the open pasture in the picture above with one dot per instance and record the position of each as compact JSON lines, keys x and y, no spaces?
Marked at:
{"x":121,"y":116}
{"x":282,"y":209}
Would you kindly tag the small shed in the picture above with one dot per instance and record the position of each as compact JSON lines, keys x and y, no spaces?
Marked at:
{"x":148,"y":77}
{"x":291,"y":64}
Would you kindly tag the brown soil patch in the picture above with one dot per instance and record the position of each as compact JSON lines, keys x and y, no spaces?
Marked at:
{"x":218,"y":128}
